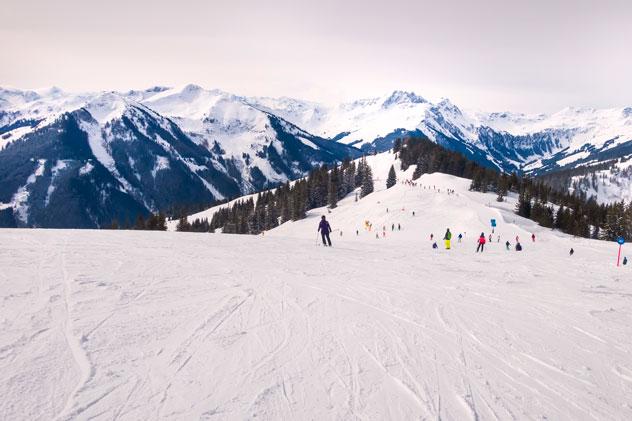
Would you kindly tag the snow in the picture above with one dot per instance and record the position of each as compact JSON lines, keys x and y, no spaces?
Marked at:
{"x":107,"y":107}
{"x":572,"y":158}
{"x":60,"y":165}
{"x":14,"y":134}
{"x":365,"y":119}
{"x":608,"y":186}
{"x":153,"y":325}
{"x":86,"y":169}
{"x":99,"y":146}
{"x":162,"y":163}
{"x":19,"y":201}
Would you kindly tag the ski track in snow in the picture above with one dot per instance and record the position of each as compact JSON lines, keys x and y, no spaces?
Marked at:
{"x":146,"y":325}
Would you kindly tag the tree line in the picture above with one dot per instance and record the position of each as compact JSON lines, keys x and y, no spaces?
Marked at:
{"x":323,"y":186}
{"x":570,"y":212}
{"x":153,"y":222}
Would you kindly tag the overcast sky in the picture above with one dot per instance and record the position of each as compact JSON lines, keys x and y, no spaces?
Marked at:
{"x":493,"y":55}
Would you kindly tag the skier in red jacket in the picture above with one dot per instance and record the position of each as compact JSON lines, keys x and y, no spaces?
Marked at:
{"x":481,"y":243}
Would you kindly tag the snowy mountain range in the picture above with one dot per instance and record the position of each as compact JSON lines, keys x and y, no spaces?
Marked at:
{"x":85,"y":160}
{"x":508,"y":141}
{"x":82,"y":160}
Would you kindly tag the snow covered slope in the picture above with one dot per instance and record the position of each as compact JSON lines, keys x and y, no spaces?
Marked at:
{"x":609,"y":185}
{"x":152,"y":325}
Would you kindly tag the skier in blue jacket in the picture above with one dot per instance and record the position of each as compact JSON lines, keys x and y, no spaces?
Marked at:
{"x":324,"y":228}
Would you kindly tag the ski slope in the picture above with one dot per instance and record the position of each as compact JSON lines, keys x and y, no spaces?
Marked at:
{"x":151,"y":325}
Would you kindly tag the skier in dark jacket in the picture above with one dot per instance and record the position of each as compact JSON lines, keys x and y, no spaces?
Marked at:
{"x":324,"y":228}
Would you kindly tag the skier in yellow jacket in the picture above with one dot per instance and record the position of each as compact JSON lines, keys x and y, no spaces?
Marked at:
{"x":447,"y":237}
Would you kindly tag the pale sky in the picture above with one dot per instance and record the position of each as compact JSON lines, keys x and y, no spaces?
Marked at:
{"x":532,"y":56}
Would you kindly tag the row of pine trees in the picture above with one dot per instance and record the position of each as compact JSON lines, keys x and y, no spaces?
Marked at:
{"x":289,"y":202}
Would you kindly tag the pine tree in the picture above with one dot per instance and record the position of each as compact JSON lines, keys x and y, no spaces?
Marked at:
{"x":419,"y":169}
{"x":183,"y":224}
{"x":615,"y":224}
{"x":501,"y":189}
{"x":559,"y":223}
{"x":332,"y":192}
{"x":524,"y":205}
{"x":359,"y":175}
{"x":397,"y":145}
{"x":391,"y":180}
{"x":367,"y":181}
{"x":140,"y":222}
{"x":162,"y":222}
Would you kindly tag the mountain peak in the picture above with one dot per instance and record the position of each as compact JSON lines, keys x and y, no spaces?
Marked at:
{"x":191,"y":87}
{"x":52,"y":91}
{"x":402,"y":97}
{"x":107,"y":107}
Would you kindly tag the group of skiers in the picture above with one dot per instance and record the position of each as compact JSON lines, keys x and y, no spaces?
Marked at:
{"x":325,"y":229}
{"x":482,"y":240}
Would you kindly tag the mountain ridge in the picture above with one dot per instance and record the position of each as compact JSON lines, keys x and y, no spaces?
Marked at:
{"x":226,"y":145}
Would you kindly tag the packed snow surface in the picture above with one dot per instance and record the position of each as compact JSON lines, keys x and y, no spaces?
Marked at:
{"x":152,"y":325}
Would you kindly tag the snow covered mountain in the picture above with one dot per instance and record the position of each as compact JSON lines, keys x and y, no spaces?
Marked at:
{"x":162,"y":147}
{"x":527,"y":144}
{"x":511,"y":142}
{"x":84,"y":160}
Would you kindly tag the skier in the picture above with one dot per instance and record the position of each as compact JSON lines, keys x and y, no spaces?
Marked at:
{"x":518,"y":247}
{"x":413,"y":213}
{"x":481,"y":243}
{"x":399,"y":227}
{"x":460,"y":237}
{"x":625,"y":260}
{"x":498,"y":239}
{"x":393,"y":227}
{"x":324,"y":228}
{"x":490,"y":238}
{"x":431,"y":237}
{"x":507,"y":245}
{"x":570,"y":253}
{"x":434,"y":245}
{"x":533,"y":237}
{"x":447,"y":237}
{"x":517,"y":239}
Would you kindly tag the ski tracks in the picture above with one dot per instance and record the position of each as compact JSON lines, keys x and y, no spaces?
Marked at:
{"x":79,"y":354}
